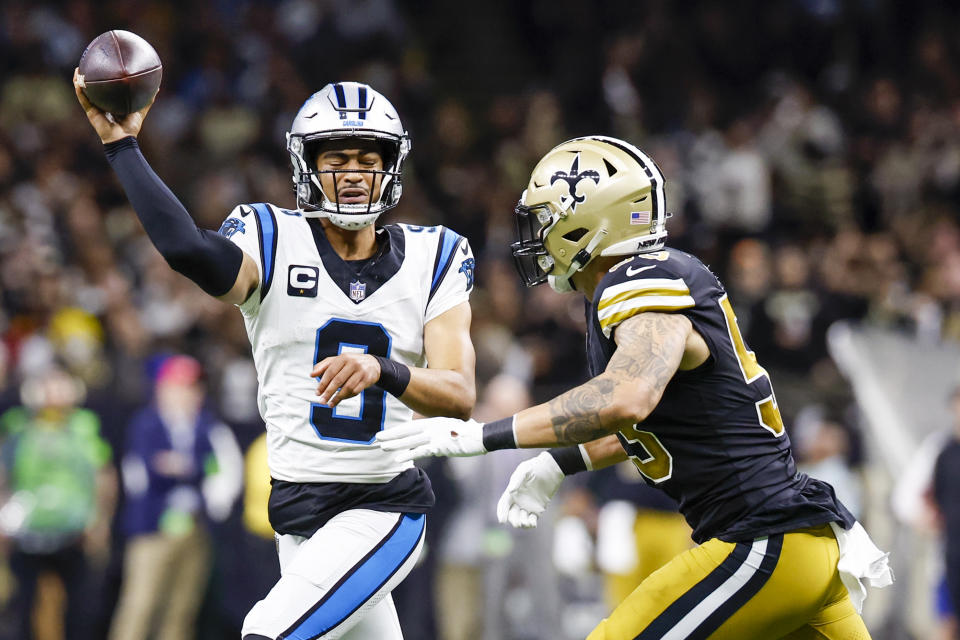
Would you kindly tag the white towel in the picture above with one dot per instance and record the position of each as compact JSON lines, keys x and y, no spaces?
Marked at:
{"x":860,"y":560}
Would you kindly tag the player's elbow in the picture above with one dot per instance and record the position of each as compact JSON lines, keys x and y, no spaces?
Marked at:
{"x":462,"y":395}
{"x":630,"y":406}
{"x":464,"y":402}
{"x":453,"y":409}
{"x":455,"y":402}
{"x":183,"y":257}
{"x":185,"y":252}
{"x":179,"y":260}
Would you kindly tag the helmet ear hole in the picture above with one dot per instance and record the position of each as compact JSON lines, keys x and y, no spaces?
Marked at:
{"x":574,"y":235}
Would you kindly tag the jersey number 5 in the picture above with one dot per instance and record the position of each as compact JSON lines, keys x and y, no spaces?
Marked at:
{"x":652,"y":458}
{"x":356,"y":419}
{"x":767,"y":411}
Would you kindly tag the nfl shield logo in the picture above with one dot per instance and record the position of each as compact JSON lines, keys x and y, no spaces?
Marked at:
{"x":358,"y":291}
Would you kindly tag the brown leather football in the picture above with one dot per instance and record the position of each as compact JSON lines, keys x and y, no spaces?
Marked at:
{"x":120,"y":72}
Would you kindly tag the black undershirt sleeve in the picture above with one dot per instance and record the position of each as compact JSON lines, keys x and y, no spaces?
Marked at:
{"x":204,"y":256}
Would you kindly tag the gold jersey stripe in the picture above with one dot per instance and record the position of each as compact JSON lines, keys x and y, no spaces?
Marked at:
{"x":675,"y":284}
{"x":646,"y":302}
{"x":638,"y":293}
{"x":610,"y":320}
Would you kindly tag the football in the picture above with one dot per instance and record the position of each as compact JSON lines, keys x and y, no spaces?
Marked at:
{"x":120,"y":72}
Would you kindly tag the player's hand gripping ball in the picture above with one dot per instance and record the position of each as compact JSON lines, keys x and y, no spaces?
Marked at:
{"x":119,"y":72}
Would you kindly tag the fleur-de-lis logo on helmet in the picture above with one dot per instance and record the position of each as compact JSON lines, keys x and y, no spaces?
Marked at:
{"x":622,"y":214}
{"x":573,"y":177}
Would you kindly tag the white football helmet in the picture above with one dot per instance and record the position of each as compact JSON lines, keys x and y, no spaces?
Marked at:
{"x":346,"y":110}
{"x":588,"y":197}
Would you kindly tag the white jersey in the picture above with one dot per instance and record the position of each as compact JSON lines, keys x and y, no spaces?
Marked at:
{"x":312,"y":304}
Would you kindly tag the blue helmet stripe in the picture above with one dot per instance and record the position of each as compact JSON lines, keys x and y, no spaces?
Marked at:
{"x":362,"y":105}
{"x":341,"y":96}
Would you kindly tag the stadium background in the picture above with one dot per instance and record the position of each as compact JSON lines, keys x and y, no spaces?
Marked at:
{"x":812,"y":149}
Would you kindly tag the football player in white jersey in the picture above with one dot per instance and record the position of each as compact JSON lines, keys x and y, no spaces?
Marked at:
{"x":353,"y":328}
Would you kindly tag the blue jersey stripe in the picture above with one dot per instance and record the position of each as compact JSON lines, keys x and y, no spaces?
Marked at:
{"x":364,"y":581}
{"x":268,"y":244}
{"x":448,"y":244}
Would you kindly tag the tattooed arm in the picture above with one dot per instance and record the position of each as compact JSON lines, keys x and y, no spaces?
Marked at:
{"x":650,"y":349}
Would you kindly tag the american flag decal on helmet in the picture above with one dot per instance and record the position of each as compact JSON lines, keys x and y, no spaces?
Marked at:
{"x":639,"y":217}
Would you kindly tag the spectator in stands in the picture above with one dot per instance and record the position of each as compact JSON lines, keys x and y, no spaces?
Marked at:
{"x":482,"y":567}
{"x":946,"y":495}
{"x":250,"y":537}
{"x":180,"y":466}
{"x":823,"y":446}
{"x":59,"y":491}
{"x":638,"y":530}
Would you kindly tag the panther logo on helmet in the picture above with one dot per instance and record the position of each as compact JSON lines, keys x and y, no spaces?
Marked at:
{"x":560,"y":231}
{"x":346,"y":110}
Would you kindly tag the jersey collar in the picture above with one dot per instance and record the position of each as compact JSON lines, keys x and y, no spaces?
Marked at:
{"x":360,"y":279}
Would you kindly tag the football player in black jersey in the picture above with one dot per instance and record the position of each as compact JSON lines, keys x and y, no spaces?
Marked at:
{"x":676,"y":390}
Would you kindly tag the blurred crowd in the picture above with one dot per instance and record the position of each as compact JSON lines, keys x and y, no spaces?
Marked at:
{"x":811,"y":148}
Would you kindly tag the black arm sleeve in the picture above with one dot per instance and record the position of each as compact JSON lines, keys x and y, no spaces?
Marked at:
{"x":204,"y":256}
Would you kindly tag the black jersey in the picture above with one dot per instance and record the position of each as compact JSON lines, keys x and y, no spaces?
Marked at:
{"x":715,"y":442}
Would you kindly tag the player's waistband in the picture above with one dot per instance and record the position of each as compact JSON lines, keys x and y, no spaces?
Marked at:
{"x":300,"y":508}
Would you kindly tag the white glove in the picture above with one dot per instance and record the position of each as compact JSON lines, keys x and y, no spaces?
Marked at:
{"x":533,"y":483}
{"x":433,"y":437}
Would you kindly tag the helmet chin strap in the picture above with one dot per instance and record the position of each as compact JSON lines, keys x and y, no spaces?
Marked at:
{"x":351,"y":222}
{"x":563,"y":284}
{"x":560,"y":284}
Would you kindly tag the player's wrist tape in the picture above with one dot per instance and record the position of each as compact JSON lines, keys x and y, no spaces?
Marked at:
{"x":571,"y":460}
{"x":394,"y":376}
{"x":499,"y":435}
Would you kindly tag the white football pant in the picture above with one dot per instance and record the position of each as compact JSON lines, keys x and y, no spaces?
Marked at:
{"x":337,"y":583}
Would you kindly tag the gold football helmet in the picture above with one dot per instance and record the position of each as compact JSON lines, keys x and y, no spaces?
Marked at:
{"x":588,"y":197}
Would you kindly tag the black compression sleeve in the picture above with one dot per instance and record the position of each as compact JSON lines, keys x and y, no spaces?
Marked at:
{"x":204,"y":256}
